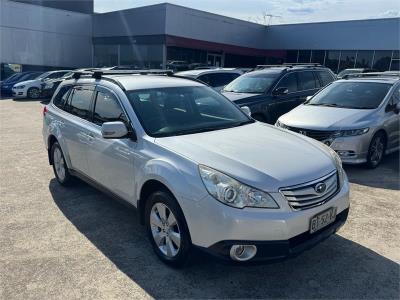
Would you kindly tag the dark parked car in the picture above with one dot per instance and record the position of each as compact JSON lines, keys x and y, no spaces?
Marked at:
{"x":273,"y":91}
{"x":6,"y":85}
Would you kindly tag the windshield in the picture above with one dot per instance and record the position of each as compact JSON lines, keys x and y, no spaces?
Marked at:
{"x":358,"y":95}
{"x":255,"y":83}
{"x":184,"y":110}
{"x":44,"y":75}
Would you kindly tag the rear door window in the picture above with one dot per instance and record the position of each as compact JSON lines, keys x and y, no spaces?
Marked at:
{"x":307,"y":81}
{"x":80,"y":101}
{"x":325,"y":77}
{"x":289,"y":82}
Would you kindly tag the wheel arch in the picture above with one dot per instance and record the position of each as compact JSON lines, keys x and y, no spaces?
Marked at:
{"x":50,"y":142}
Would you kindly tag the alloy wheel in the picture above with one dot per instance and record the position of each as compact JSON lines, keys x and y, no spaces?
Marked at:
{"x":59,"y":164}
{"x":377,"y":148}
{"x":165,"y":230}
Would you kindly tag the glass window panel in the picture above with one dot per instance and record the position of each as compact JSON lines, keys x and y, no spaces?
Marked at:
{"x":289,"y":82}
{"x":332,"y":60}
{"x":105,"y":55}
{"x":318,"y":56}
{"x":364,"y":59}
{"x":107,"y":109}
{"x":395,"y":66}
{"x":79,"y":105}
{"x":304,"y":56}
{"x":141,"y":56}
{"x":307,"y":81}
{"x":396,"y":54}
{"x":291,"y":56}
{"x":347,"y":60}
{"x":382,"y":60}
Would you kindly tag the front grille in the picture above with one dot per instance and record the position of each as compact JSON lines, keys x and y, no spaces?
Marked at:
{"x":318,"y":135}
{"x":305,"y":196}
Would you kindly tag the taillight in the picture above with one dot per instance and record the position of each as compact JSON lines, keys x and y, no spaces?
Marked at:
{"x":44,"y":110}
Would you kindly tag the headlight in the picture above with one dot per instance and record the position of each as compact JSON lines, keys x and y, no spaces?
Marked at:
{"x":338,"y":164}
{"x":19,"y":87}
{"x":353,"y":132}
{"x":281,"y":125}
{"x":233,"y":193}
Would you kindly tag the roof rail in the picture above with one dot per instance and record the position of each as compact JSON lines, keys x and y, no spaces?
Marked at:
{"x":372,"y":74}
{"x":288,"y":65}
{"x":97,"y":74}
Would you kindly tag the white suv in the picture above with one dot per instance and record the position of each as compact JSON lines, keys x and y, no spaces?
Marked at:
{"x":200,"y":171}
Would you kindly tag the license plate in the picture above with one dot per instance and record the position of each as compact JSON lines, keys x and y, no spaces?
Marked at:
{"x":323,"y":219}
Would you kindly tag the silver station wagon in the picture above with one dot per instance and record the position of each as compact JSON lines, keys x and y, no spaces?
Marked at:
{"x":201,"y":173}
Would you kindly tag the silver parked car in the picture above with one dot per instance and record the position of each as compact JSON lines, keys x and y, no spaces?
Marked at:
{"x":358,"y":118}
{"x":199,"y":170}
{"x":216,"y":78}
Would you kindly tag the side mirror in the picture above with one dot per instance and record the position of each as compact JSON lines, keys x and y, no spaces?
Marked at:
{"x":280,"y":91}
{"x":114,"y":130}
{"x":246,"y":110}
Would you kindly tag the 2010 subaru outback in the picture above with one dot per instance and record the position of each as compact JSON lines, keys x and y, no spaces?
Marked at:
{"x":201,"y":172}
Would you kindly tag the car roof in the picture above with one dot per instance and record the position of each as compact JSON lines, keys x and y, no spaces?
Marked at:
{"x":382,"y":79}
{"x":208,"y":71}
{"x":138,"y":82}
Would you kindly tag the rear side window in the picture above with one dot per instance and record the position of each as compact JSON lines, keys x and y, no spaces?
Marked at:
{"x":61,"y":97}
{"x":79,"y":102}
{"x":307,"y":81}
{"x":289,"y":82}
{"x":325,"y":77}
{"x":107,"y":109}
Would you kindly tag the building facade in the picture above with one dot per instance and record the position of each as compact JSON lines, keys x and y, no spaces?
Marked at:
{"x":41,"y":34}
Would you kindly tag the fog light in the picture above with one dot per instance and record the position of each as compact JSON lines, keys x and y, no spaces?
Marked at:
{"x":243,"y":252}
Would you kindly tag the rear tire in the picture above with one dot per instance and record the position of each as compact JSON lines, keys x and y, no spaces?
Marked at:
{"x":33,"y":93}
{"x":60,"y":167}
{"x":376,"y":150}
{"x":167,"y":229}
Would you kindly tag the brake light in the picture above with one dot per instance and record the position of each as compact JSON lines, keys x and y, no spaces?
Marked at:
{"x":44,"y":110}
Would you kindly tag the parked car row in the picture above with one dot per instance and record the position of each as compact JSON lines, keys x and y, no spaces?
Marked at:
{"x":201,"y":172}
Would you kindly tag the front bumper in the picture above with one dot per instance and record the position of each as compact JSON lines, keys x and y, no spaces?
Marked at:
{"x":211,"y":222}
{"x":352,"y":150}
{"x":19,"y":93}
{"x":277,"y":250}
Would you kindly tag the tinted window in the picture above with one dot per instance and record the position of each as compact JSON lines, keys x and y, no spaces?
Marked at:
{"x":325,"y":77}
{"x":79,"y":103}
{"x":218,"y":79}
{"x":361,"y":95}
{"x":61,"y":97}
{"x":184,"y":110}
{"x":307,"y":81}
{"x":107,"y":109}
{"x":289,"y":82}
{"x":253,"y":82}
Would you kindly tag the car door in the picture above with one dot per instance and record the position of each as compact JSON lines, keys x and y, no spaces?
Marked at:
{"x":308,"y":85}
{"x":75,"y":131}
{"x":392,"y":120}
{"x":111,"y":161}
{"x":286,"y":102}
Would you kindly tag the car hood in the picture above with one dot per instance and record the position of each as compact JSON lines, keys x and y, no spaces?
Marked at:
{"x":27,"y":82}
{"x":240,"y":96}
{"x":322,"y":117}
{"x":257,"y":154}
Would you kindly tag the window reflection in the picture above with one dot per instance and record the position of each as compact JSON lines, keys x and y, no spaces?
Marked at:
{"x":347,"y":60}
{"x":332,"y":60}
{"x":382,"y":60}
{"x":364,"y":59}
{"x":304,"y":56}
{"x":318,"y":56}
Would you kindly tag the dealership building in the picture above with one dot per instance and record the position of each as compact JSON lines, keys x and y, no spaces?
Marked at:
{"x":49,"y":34}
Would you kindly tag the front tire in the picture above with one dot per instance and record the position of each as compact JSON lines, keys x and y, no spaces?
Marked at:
{"x":33,"y":93}
{"x":376,"y":150}
{"x":60,"y":167}
{"x":167,"y":229}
